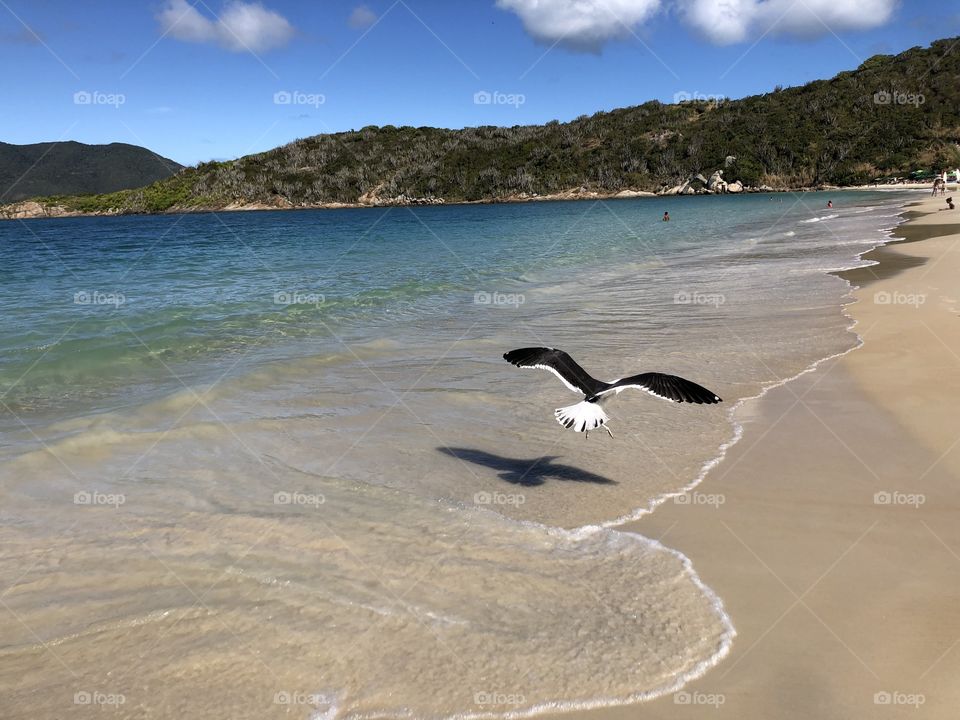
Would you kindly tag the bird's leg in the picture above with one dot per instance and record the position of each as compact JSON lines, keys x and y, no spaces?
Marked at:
{"x":586,"y":434}
{"x":608,"y":430}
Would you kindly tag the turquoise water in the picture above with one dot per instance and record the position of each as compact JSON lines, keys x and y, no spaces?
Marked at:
{"x":272,"y":463}
{"x":179,"y":296}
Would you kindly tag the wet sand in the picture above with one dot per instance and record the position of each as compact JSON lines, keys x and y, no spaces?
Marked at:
{"x":835,"y":546}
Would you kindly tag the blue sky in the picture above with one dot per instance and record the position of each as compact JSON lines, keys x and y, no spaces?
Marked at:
{"x":198,"y":79}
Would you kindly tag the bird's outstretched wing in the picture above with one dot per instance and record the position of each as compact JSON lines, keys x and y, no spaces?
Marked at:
{"x":560,"y":364}
{"x":668,"y":387}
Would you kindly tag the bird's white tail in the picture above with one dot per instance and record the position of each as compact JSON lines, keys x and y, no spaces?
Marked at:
{"x":581,"y":417}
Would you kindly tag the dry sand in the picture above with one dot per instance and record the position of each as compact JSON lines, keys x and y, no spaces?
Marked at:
{"x":836,"y":550}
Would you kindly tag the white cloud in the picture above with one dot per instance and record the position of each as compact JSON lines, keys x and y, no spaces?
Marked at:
{"x":731,"y":21}
{"x":361,"y":17}
{"x":581,"y":25}
{"x":240,"y":26}
{"x":586,"y":25}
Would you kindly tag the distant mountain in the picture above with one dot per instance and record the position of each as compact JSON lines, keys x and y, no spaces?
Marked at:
{"x":891,"y":116}
{"x":72,"y":168}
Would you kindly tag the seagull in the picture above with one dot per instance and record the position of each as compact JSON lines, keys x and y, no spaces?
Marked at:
{"x":588,"y":414}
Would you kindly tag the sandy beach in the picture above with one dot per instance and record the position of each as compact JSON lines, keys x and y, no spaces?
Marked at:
{"x":835,"y":549}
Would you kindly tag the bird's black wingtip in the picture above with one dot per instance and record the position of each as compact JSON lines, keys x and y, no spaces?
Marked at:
{"x":518,"y":356}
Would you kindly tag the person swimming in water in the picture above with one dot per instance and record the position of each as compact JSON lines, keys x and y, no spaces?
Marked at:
{"x":666,"y":217}
{"x":829,"y":203}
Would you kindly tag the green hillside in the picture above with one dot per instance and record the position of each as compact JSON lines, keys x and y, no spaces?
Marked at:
{"x":892,"y":115}
{"x":72,"y":168}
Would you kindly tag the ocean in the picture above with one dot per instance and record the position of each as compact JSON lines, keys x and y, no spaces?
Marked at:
{"x":273,"y":463}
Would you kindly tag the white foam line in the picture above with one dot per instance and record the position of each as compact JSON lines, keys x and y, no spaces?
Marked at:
{"x":675,"y":684}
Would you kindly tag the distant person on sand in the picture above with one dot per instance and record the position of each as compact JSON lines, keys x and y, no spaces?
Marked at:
{"x":936,"y":185}
{"x":666,"y":217}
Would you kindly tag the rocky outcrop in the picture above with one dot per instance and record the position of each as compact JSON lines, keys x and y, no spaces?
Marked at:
{"x":373,"y":197}
{"x":716,"y":183}
{"x":694,"y":185}
{"x":32,"y":209}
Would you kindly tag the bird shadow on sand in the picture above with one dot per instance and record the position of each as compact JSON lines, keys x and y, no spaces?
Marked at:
{"x":527,"y":472}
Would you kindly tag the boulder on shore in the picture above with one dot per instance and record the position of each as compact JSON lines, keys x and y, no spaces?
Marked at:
{"x":716,"y":183}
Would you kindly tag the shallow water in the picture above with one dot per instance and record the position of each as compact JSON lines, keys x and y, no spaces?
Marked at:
{"x":273,"y":463}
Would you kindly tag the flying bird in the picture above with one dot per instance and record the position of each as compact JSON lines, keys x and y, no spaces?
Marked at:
{"x":588,"y":414}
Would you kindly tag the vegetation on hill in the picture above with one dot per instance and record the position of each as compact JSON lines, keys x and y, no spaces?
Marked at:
{"x":892,"y":115}
{"x":72,"y":168}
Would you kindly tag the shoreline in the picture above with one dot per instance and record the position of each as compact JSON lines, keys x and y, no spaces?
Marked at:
{"x":814,"y":483}
{"x":32,"y":210}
